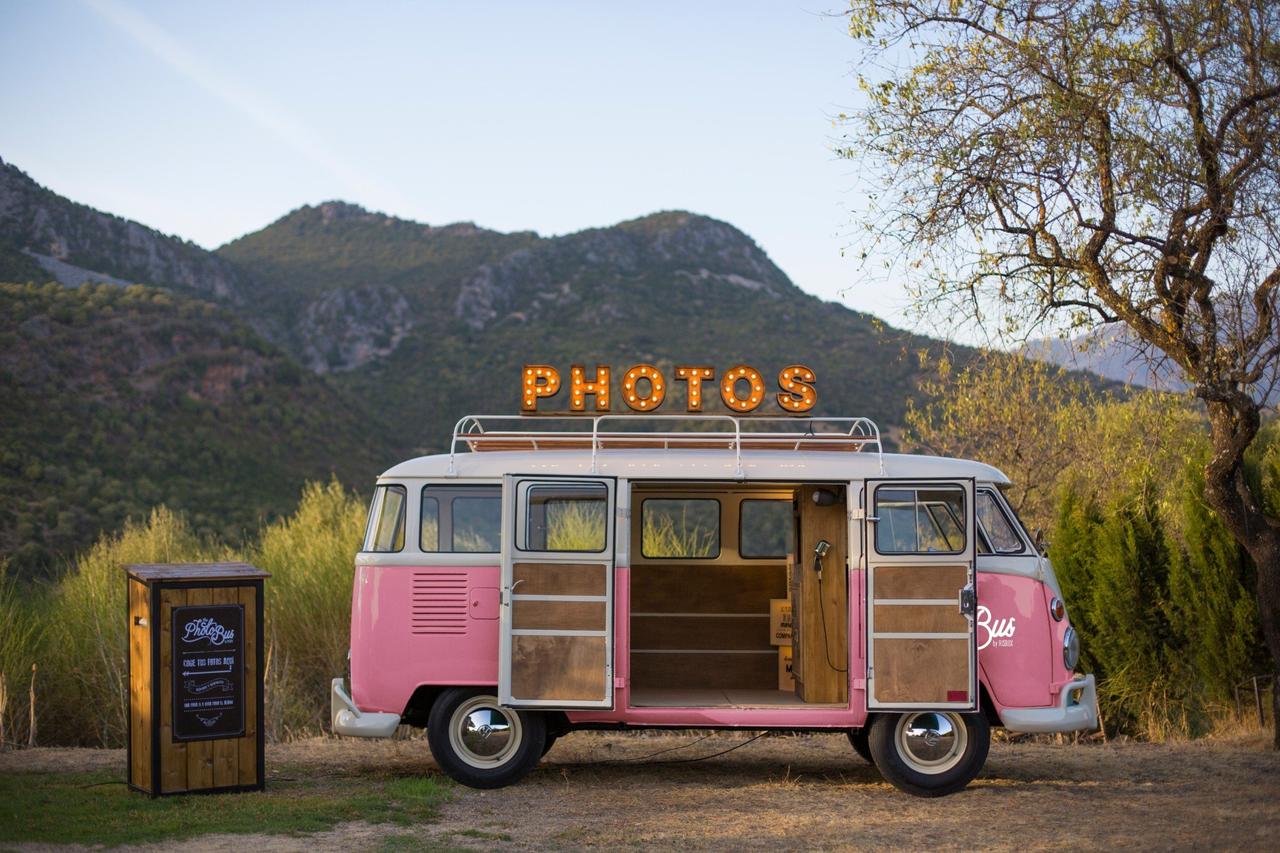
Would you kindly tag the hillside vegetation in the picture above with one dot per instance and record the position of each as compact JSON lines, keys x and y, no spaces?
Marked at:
{"x":339,"y":340}
{"x":116,"y":400}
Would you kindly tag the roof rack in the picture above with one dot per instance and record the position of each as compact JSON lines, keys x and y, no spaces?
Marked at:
{"x":483,"y":432}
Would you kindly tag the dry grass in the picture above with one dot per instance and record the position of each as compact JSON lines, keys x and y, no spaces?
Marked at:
{"x":807,"y":792}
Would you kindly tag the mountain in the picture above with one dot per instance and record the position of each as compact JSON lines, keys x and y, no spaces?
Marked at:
{"x":118,"y":399}
{"x":1116,"y":353}
{"x":43,"y":236}
{"x":427,"y":324}
{"x":340,"y":340}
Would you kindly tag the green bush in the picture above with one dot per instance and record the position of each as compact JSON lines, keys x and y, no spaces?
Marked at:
{"x":310,"y":556}
{"x":84,"y":695}
{"x":22,"y":613}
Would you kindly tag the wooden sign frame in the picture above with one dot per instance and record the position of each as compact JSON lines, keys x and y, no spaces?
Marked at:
{"x":159,"y":763}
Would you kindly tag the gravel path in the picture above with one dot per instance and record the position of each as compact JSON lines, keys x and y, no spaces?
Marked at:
{"x":807,"y":792}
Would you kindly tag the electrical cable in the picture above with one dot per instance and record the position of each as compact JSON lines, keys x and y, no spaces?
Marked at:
{"x":643,"y":759}
{"x":822,"y":609}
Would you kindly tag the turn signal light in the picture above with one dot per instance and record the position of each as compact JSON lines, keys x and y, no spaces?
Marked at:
{"x":1058,"y":609}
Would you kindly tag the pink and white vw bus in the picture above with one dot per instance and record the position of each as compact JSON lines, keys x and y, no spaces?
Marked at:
{"x":609,"y":573}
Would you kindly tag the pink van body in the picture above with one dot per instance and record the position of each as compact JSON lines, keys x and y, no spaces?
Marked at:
{"x":392,"y":656}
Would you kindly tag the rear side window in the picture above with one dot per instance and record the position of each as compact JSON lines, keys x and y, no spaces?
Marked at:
{"x":926,"y":520}
{"x":680,"y":528}
{"x":461,"y":519}
{"x":385,"y":532}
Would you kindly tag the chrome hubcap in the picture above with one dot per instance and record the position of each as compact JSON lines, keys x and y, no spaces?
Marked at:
{"x":483,"y":734}
{"x":931,"y":742}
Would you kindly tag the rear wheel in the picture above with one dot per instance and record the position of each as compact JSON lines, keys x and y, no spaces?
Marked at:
{"x":858,"y":738}
{"x":930,"y":753}
{"x":480,"y":743}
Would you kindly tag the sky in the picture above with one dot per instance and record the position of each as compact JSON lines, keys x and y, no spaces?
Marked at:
{"x":211,"y":120}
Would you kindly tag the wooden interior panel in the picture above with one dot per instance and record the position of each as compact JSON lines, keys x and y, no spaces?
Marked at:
{"x":920,"y":619}
{"x":919,"y":670}
{"x":817,"y":680}
{"x":705,"y":670}
{"x":919,"y":581}
{"x":559,"y":578}
{"x":706,"y":588}
{"x":173,"y":755}
{"x":140,"y":684}
{"x":559,"y":615}
{"x":700,"y":632}
{"x":561,"y":668}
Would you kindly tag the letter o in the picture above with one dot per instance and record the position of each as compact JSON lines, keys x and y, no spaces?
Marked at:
{"x":631,"y":388}
{"x":729,"y":388}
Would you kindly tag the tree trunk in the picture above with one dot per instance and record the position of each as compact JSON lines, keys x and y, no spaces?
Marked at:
{"x":1233,"y":429}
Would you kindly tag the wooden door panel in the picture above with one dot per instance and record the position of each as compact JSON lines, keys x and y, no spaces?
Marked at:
{"x":922,"y":670}
{"x":569,"y":669}
{"x":894,"y":581}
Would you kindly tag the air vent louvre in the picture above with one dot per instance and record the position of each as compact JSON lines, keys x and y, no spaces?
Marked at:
{"x":439,"y":604}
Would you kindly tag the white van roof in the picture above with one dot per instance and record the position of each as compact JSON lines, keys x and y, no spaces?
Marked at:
{"x":694,"y":464}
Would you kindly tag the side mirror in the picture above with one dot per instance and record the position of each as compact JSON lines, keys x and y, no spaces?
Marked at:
{"x":1038,"y":538}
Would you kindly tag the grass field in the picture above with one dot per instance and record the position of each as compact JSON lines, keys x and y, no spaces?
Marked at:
{"x":95,"y":807}
{"x":598,"y":790}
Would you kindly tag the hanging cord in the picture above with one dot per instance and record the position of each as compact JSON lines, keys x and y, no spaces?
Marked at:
{"x":644,"y":759}
{"x":822,"y":609}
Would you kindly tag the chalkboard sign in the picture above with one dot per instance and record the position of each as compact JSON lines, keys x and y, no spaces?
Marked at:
{"x":208,"y":672}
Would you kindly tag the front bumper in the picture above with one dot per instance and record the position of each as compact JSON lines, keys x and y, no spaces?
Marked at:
{"x":349,"y":720}
{"x":1072,"y":713}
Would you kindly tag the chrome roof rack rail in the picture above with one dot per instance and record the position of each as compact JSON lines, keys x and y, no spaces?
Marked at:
{"x":480,"y":432}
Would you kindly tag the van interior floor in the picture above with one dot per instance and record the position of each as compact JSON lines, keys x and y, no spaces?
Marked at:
{"x":656,"y":697}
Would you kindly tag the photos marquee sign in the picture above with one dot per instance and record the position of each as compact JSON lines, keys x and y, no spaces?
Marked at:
{"x":644,"y":387}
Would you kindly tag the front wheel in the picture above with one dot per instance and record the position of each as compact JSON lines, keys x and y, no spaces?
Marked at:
{"x":930,"y":753}
{"x":480,"y":743}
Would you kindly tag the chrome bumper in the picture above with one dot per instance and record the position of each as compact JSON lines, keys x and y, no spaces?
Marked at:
{"x":1069,"y":715}
{"x":349,"y":720}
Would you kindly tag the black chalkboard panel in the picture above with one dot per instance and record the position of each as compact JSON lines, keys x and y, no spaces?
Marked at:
{"x":208,"y":672}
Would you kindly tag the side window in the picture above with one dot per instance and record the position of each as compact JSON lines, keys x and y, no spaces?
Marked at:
{"x":461,"y":519}
{"x":996,"y":525}
{"x":766,"y":529}
{"x":385,"y":532}
{"x":566,"y":518}
{"x":926,"y":520}
{"x":681,"y":528}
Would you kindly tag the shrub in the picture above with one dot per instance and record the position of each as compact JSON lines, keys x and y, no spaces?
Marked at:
{"x":86,"y":687}
{"x":310,"y":555}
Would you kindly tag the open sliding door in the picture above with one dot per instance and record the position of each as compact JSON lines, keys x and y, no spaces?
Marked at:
{"x":921,"y":642}
{"x":556,"y":647}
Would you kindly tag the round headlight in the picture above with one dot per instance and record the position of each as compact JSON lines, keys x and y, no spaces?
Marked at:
{"x":1058,"y":609}
{"x":1070,"y":649}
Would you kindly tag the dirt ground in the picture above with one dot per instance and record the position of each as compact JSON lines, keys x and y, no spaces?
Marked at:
{"x":811,"y":792}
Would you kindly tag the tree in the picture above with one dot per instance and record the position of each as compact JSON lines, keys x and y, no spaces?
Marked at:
{"x":1088,"y":163}
{"x":1209,"y":579}
{"x":1019,"y":415}
{"x":1135,"y":644}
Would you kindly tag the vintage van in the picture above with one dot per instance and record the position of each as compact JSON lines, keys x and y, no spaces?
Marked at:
{"x":620,"y":572}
